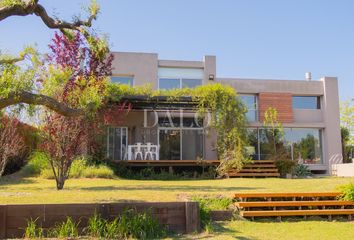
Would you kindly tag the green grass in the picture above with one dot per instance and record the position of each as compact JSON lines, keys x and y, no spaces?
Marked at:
{"x":306,"y":230}
{"x":15,"y":190}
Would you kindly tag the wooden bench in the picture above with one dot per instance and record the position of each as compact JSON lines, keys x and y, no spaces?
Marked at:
{"x":293,"y":203}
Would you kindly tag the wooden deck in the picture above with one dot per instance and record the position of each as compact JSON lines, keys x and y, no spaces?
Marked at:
{"x":168,"y":163}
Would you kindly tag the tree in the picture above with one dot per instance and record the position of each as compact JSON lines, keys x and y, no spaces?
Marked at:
{"x":65,"y":140}
{"x":11,"y":142}
{"x":273,"y":128}
{"x":18,"y":85}
{"x":347,"y":119}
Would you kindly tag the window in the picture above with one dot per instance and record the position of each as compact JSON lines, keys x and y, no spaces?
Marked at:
{"x":251,"y":103}
{"x":173,"y":83}
{"x":306,"y":102}
{"x":117,"y":142}
{"x":172,"y":78}
{"x":169,"y":83}
{"x":181,"y":138}
{"x":301,"y":144}
{"x":128,"y":80}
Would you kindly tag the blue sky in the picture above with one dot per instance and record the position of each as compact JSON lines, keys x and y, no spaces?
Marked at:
{"x":273,"y":39}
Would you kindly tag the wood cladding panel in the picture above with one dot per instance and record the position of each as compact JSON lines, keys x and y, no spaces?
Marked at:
{"x":282,"y":102}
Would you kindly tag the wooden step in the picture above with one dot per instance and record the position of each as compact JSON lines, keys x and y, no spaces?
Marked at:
{"x":259,"y":166}
{"x":282,"y":213}
{"x":262,"y":161}
{"x":287,"y":195}
{"x":294,"y":203}
{"x":254,"y":174}
{"x":258,"y":170}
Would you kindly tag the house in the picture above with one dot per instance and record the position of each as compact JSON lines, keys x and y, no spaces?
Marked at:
{"x":308,"y":110}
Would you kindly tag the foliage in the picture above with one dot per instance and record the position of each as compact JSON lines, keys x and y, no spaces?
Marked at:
{"x":38,"y":161}
{"x":224,"y":111}
{"x":208,"y":204}
{"x":273,"y":129}
{"x":345,"y":139}
{"x":32,"y":231}
{"x":149,"y":173}
{"x":301,"y":171}
{"x":347,"y":192}
{"x":65,"y":140}
{"x":67,"y":229}
{"x":11,"y":142}
{"x":130,"y":224}
{"x":347,"y":118}
{"x":82,"y":168}
{"x":285,"y":166}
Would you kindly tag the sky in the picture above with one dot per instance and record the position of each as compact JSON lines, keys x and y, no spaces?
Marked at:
{"x":273,"y":39}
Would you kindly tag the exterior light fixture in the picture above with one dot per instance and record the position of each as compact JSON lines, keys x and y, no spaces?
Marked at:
{"x":211,"y":77}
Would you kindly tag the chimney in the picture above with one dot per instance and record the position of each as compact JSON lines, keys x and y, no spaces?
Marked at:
{"x":308,"y":76}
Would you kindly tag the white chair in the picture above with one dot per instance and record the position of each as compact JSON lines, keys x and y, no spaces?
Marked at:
{"x":150,"y":151}
{"x":138,"y":151}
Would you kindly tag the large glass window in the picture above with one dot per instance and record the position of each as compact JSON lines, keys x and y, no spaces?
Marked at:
{"x":128,"y":80}
{"x":181,"y":138}
{"x":306,"y":102}
{"x":250,"y":101}
{"x":169,"y":83}
{"x":306,"y":145}
{"x":173,"y":83}
{"x":252,"y":147}
{"x":172,"y":78}
{"x":301,"y":144}
{"x":117,"y":143}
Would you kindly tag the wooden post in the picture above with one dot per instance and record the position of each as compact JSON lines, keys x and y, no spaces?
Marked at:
{"x":3,"y":224}
{"x":104,"y":211}
{"x":192,"y":217}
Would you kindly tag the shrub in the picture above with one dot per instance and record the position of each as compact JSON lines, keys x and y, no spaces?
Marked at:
{"x":285,"y":166}
{"x":67,"y":229}
{"x":130,"y":224}
{"x":81,"y":168}
{"x":301,"y":171}
{"x":208,"y":204}
{"x":38,"y":162}
{"x":140,"y":225}
{"x":347,"y":192}
{"x":32,"y":230}
{"x":101,"y":171}
{"x":96,"y":226}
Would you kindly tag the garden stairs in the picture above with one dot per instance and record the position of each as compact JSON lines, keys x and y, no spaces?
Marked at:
{"x":278,"y":205}
{"x":258,"y":168}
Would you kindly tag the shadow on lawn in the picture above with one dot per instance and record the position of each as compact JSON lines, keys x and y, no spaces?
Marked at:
{"x":219,"y":229}
{"x":168,"y":188}
{"x":11,"y":180}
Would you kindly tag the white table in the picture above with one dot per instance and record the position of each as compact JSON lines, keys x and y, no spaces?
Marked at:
{"x":143,"y":147}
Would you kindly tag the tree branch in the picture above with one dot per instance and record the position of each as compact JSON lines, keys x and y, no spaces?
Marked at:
{"x":38,"y":99}
{"x":28,"y":7}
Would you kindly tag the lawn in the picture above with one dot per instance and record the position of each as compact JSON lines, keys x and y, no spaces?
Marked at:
{"x":307,"y":230}
{"x":14,"y":190}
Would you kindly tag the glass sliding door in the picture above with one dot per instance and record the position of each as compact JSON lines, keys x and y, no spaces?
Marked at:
{"x":117,"y":142}
{"x":170,"y":144}
{"x":192,"y":144}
